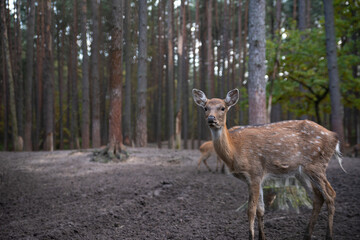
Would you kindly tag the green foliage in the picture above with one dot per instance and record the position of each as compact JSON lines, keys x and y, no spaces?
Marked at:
{"x":302,"y":65}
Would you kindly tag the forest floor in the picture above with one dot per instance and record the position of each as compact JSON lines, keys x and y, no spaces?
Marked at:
{"x":155,"y":194}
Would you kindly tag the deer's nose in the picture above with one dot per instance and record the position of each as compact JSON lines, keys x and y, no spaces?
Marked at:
{"x":211,"y":119}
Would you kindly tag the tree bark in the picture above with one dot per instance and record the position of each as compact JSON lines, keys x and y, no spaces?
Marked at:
{"x":74,"y":143}
{"x":95,"y":98}
{"x":210,"y":57}
{"x":18,"y":76}
{"x":40,"y":52}
{"x":257,"y":66}
{"x":85,"y":120}
{"x":128,"y":56}
{"x":170,"y":72}
{"x":337,"y":113}
{"x":141,"y":120}
{"x":185,"y":94}
{"x":48,"y":81}
{"x":160,"y":67}
{"x":29,"y":76}
{"x":115,"y":131}
{"x":16,"y":139}
{"x":60,"y":53}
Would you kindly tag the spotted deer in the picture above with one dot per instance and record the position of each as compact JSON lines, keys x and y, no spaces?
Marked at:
{"x":207,"y":149}
{"x":253,"y":154}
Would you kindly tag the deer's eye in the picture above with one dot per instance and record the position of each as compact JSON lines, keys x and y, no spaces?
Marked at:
{"x":205,"y":109}
{"x":222,"y":108}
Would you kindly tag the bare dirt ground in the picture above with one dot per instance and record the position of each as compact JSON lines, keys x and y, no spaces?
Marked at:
{"x":155,"y":194}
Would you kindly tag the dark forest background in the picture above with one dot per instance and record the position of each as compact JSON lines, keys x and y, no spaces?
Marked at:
{"x":77,"y":74}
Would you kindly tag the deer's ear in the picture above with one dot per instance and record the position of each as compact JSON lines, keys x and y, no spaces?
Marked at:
{"x":199,"y":97}
{"x":232,"y":97}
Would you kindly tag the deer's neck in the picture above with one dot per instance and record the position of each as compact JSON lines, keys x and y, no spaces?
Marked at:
{"x":223,"y":145}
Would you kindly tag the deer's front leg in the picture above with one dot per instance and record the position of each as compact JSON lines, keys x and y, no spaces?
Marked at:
{"x":254,"y":192}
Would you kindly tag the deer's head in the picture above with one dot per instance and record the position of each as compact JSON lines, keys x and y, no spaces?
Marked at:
{"x":215,"y":108}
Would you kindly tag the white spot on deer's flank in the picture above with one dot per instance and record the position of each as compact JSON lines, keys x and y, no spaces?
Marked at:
{"x":319,"y":148}
{"x":322,"y":133}
{"x":318,"y":137}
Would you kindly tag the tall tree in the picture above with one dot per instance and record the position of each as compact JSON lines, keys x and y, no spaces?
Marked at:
{"x":29,"y":75}
{"x":170,"y":71}
{"x":18,"y":76}
{"x":160,"y":67}
{"x":209,"y":44}
{"x":115,"y":132}
{"x":184,"y":75}
{"x":257,"y":66}
{"x":74,"y":143}
{"x":16,"y":139}
{"x":85,"y":120}
{"x":48,"y":81}
{"x":337,"y":113}
{"x":40,"y":54}
{"x":141,"y":120}
{"x":127,"y":52}
{"x":95,"y":98}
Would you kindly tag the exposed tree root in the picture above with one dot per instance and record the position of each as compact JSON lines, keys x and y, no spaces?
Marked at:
{"x":108,"y":154}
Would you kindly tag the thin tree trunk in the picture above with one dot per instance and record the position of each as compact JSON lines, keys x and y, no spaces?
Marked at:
{"x":170,"y":71}
{"x":160,"y":71}
{"x":95,"y":98}
{"x":48,"y":82}
{"x":85,"y":120}
{"x":246,"y":20}
{"x":16,"y":139}
{"x":115,"y":131}
{"x":74,"y":143}
{"x":337,"y":113}
{"x":128,"y":57}
{"x":29,"y":76}
{"x":210,"y":58}
{"x":185,"y":94}
{"x":141,"y":120}
{"x":257,"y":66}
{"x":40,"y":51}
{"x":18,"y":76}
{"x":60,"y":54}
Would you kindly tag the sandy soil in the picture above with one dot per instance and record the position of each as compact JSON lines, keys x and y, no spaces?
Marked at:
{"x":155,"y":194}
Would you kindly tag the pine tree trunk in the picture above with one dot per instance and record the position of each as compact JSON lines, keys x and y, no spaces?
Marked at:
{"x":160,"y":62}
{"x":337,"y":113}
{"x":257,"y":66}
{"x":60,"y":53}
{"x":141,"y":120}
{"x":16,"y":139}
{"x":18,"y":76}
{"x":210,"y":57}
{"x":29,"y":76}
{"x":85,"y":120}
{"x":170,"y":72}
{"x":48,"y":82}
{"x":74,"y":143}
{"x":115,"y":132}
{"x":185,"y":94}
{"x":95,"y":98}
{"x":127,"y":52}
{"x":40,"y":52}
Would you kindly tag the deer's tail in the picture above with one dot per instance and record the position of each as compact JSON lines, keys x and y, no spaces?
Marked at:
{"x":338,"y":156}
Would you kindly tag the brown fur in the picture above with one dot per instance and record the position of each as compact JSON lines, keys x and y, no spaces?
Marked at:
{"x":254,"y":152}
{"x":207,"y":149}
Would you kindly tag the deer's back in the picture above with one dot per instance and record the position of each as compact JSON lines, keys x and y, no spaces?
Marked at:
{"x":283,"y":146}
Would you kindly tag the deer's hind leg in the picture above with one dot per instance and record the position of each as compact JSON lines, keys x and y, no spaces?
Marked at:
{"x":203,"y":158}
{"x":322,"y":192}
{"x":260,"y":210}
